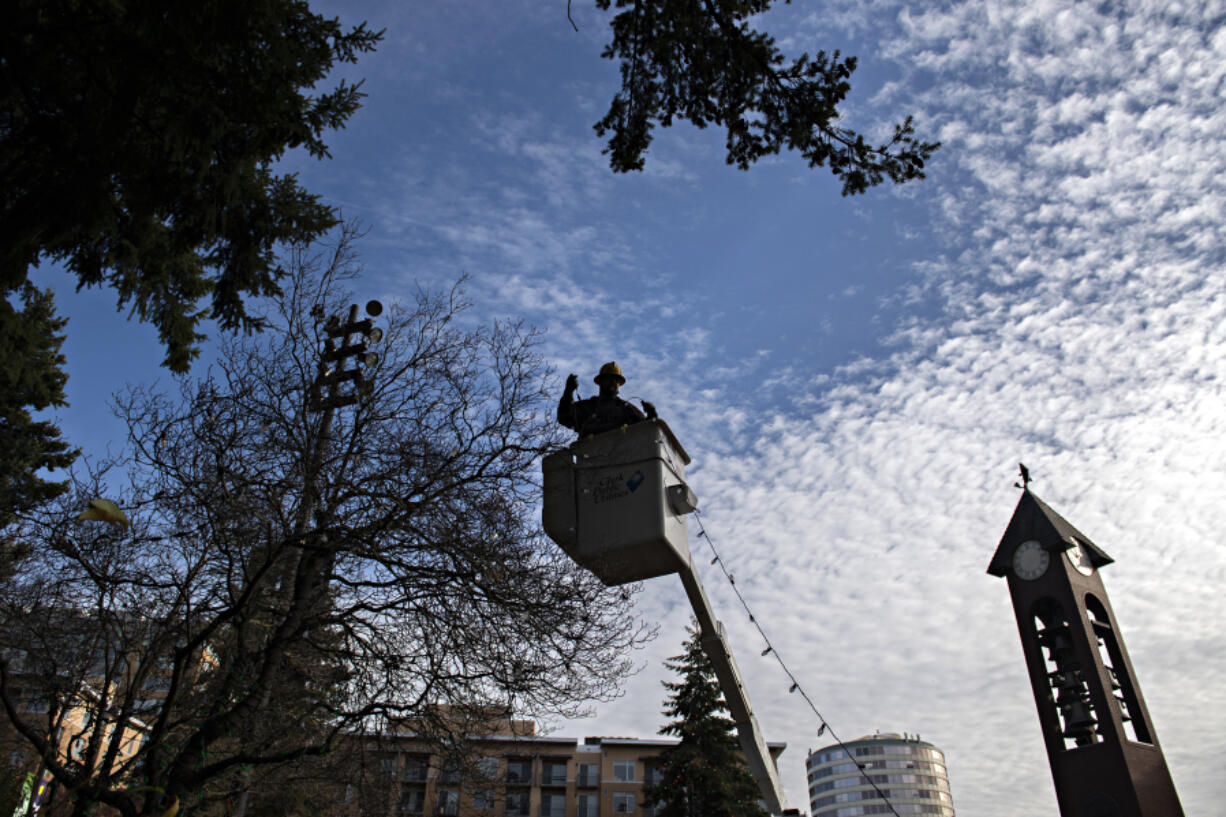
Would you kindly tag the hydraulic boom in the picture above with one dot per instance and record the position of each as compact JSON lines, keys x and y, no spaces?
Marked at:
{"x":617,"y":504}
{"x":715,"y":643}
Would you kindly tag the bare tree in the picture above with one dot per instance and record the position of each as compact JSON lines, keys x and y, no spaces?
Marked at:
{"x":294,"y":575}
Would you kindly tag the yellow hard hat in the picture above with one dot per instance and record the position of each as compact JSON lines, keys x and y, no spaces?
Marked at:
{"x":612,"y":370}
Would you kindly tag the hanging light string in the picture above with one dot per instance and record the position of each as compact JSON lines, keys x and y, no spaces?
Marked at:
{"x":770,"y":650}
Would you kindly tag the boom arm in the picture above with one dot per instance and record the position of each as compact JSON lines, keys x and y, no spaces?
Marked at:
{"x":715,"y":643}
{"x":631,"y":529}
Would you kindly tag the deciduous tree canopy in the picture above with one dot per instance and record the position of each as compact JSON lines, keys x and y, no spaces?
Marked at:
{"x":294,"y":572}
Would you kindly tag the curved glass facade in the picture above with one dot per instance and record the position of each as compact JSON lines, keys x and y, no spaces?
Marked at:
{"x":870,"y":774}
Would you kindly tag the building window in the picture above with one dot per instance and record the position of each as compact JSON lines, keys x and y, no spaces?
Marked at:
{"x":519,"y":771}
{"x":553,"y":805}
{"x":553,"y":773}
{"x":651,"y":774}
{"x":157,"y":683}
{"x":448,"y":802}
{"x":450,"y":773}
{"x":1122,"y":688}
{"x":1070,"y":698}
{"x":623,"y":771}
{"x":905,"y":808}
{"x":517,"y":805}
{"x":487,"y":768}
{"x":415,"y":770}
{"x":589,"y":806}
{"x":589,"y":774}
{"x":412,"y":802}
{"x":483,"y":798}
{"x":623,"y":802}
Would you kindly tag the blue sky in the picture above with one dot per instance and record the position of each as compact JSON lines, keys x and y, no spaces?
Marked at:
{"x":856,"y":379}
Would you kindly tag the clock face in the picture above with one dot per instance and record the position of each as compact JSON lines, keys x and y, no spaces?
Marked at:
{"x":1030,"y":560}
{"x":1079,"y":558}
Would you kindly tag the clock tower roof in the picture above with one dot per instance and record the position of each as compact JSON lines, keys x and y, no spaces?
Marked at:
{"x":1033,"y":519}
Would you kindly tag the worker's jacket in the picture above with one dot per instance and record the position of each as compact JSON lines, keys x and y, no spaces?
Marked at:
{"x":596,"y":415}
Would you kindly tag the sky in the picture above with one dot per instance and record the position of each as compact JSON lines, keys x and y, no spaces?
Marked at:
{"x":856,"y":379}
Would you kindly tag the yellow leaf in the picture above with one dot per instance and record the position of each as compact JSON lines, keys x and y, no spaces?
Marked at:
{"x":104,"y":510}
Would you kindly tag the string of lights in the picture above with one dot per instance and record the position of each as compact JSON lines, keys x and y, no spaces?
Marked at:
{"x":770,"y":650}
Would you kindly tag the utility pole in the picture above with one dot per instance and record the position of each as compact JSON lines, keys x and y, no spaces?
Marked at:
{"x":326,"y":395}
{"x":346,"y":341}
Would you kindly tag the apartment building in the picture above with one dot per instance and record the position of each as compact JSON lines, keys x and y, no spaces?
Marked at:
{"x":70,"y":721}
{"x":514,"y":775}
{"x":75,"y":701}
{"x":885,"y":773}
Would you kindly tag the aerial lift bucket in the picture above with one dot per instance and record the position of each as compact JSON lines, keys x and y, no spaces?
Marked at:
{"x":616,"y":502}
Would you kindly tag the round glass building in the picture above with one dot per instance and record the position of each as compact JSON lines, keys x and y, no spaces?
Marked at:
{"x":886,"y":773}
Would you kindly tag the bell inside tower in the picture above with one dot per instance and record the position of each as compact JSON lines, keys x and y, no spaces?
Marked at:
{"x":1123,"y":690}
{"x":1070,"y":694}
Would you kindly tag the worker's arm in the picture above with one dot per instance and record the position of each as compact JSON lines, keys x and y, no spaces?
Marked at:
{"x":566,"y":405}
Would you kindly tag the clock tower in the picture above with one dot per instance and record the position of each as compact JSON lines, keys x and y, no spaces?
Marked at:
{"x":1101,"y":744}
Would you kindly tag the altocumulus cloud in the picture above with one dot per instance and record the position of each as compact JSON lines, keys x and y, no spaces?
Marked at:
{"x":1078,"y":258}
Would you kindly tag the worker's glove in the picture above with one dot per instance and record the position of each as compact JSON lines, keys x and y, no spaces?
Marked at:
{"x":572,"y":382}
{"x":649,"y":410}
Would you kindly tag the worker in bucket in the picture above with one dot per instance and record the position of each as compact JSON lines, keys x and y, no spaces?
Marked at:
{"x":604,"y":412}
